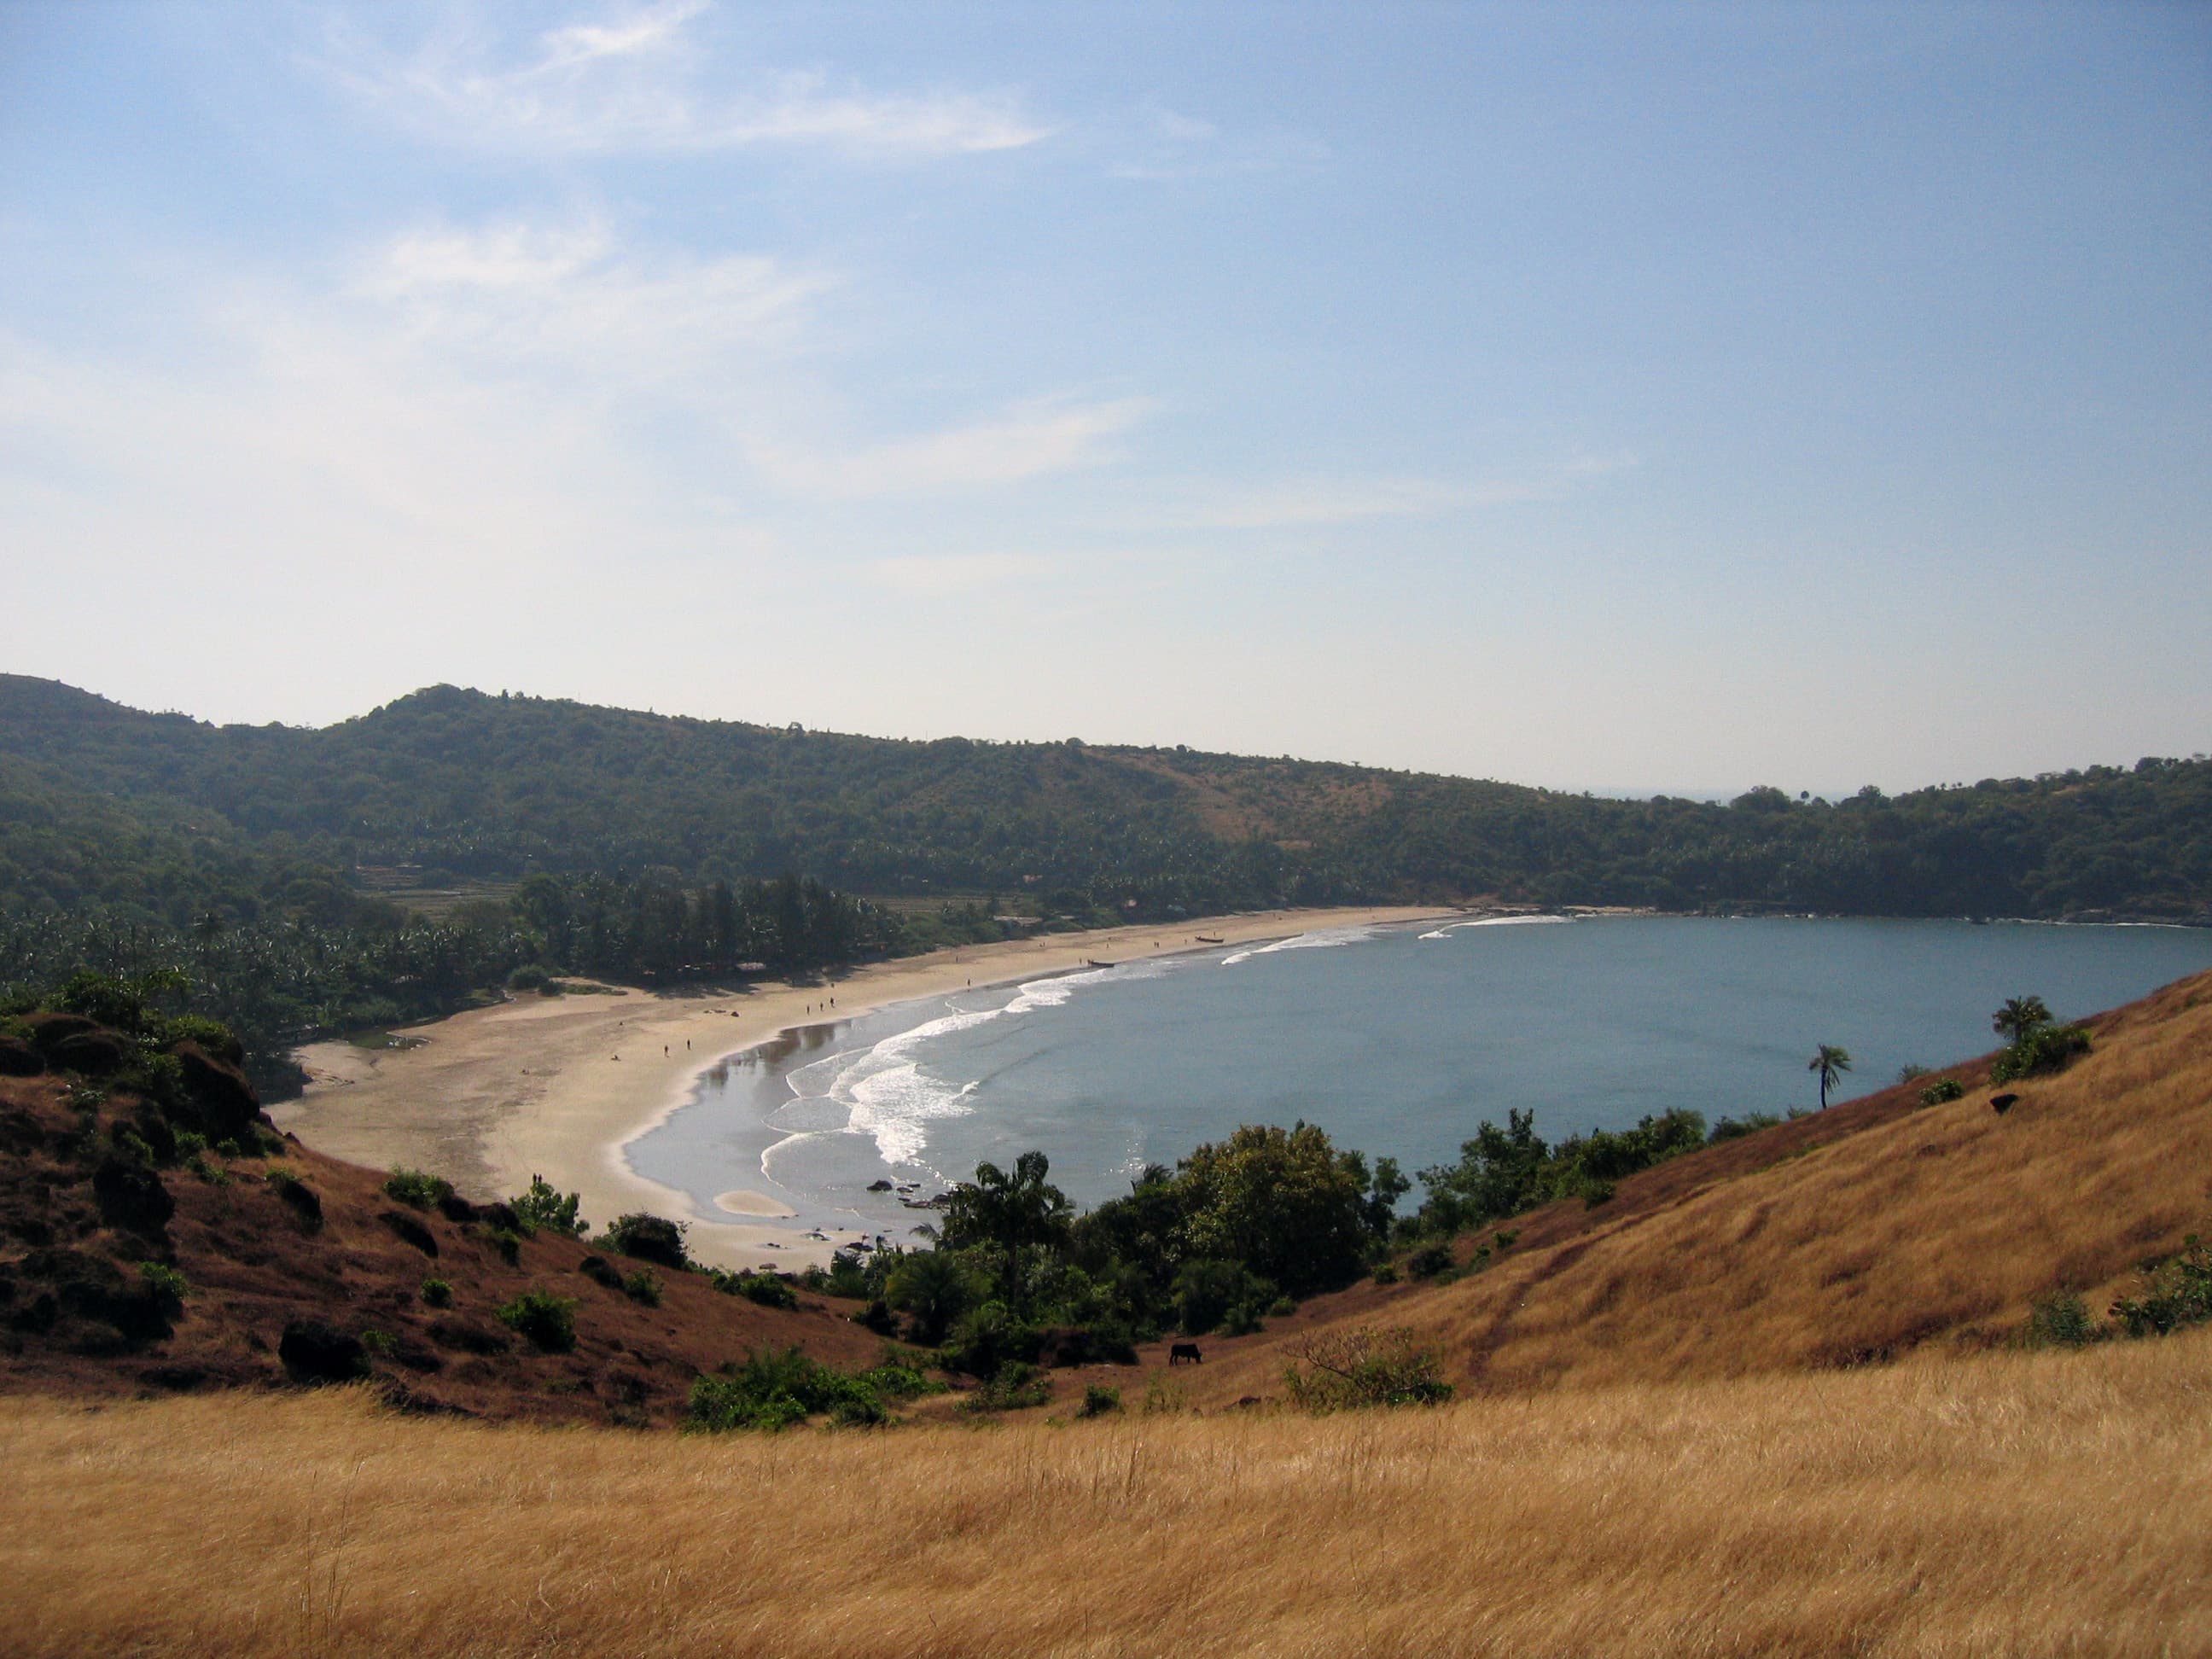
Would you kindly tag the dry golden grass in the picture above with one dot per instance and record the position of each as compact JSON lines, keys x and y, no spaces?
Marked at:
{"x":2056,"y":1502}
{"x":1933,"y":1231}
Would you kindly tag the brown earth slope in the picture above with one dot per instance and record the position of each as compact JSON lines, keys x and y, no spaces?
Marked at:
{"x":1874,"y":1230}
{"x":267,"y":1242}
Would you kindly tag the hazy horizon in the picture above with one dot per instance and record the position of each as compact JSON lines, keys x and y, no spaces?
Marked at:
{"x":1587,"y":396}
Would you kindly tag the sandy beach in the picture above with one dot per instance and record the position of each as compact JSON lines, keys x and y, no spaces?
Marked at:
{"x":558,"y":1086}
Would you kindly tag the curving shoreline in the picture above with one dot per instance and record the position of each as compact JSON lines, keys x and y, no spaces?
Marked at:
{"x":560,"y":1086}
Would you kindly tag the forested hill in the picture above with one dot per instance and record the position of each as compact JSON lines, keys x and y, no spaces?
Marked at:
{"x":101,"y":804}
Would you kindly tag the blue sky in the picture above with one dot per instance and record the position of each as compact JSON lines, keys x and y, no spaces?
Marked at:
{"x":1634,"y":398}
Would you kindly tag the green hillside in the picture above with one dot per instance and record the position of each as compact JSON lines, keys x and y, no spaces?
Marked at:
{"x":167,"y":815}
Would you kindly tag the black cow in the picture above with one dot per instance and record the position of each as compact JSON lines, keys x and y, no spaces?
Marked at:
{"x":1181,"y":1351}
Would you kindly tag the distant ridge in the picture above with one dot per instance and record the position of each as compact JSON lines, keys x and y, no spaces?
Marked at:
{"x":102,"y":802}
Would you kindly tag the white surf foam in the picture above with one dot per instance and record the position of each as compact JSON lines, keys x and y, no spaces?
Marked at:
{"x":889,"y":1094}
{"x":1495,"y":921}
{"x":1328,"y":938}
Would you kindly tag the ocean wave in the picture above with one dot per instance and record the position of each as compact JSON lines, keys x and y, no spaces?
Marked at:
{"x":1495,"y":922}
{"x":887,"y":1093}
{"x":892,"y":1106}
{"x":1328,"y":938}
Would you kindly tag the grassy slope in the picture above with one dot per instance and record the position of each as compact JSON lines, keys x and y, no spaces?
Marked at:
{"x":2037,"y":1504}
{"x":1870,"y":1231}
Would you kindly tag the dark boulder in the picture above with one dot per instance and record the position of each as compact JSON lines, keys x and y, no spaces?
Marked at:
{"x":131,"y":1196}
{"x":315,"y":1351}
{"x":456,"y":1209}
{"x":108,"y":1310}
{"x":410,"y":1231}
{"x":600,"y":1270}
{"x":468,"y":1335}
{"x":151,"y":1127}
{"x":90,"y":1054}
{"x":48,"y":1031}
{"x":417,"y":1355}
{"x":19,"y":1058}
{"x":217,"y":1096}
{"x":305,"y":1203}
{"x":500,"y":1218}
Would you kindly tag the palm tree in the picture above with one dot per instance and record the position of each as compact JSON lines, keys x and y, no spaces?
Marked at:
{"x":2020,"y":1016}
{"x":1831,"y":1062}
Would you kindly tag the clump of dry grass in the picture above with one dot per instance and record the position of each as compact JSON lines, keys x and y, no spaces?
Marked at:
{"x":2017,"y":1502}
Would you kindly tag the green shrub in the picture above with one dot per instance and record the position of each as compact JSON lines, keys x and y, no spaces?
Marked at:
{"x":544,"y":1319}
{"x":1207,"y":1291}
{"x":1735,"y":1128}
{"x":650,"y":1238}
{"x":1941,"y":1090}
{"x":1431,"y":1260}
{"x":508,"y":1242}
{"x":765,"y":1288}
{"x":212,"y":1035}
{"x":1343,"y":1370}
{"x":543,"y":1206}
{"x":436,"y":1293}
{"x":528,"y":977}
{"x":191,"y":1144}
{"x":1242,"y":1319}
{"x":2176,"y":1293}
{"x":1015,"y":1387}
{"x":2040,"y":1051}
{"x":1099,"y":1400}
{"x":772,"y":1391}
{"x":718,"y":1404}
{"x":1594,"y":1192}
{"x":893,"y":1379}
{"x":2061,"y":1320}
{"x":932,"y":1288}
{"x":1505,"y":1240}
{"x":1387,"y":1273}
{"x":382,"y":1343}
{"x":165,"y":1282}
{"x":988,"y":1339}
{"x":643,"y":1286}
{"x":417,"y":1190}
{"x":1281,"y":1308}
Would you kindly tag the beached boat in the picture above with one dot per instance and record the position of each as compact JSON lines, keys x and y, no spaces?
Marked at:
{"x":1208,"y":939}
{"x":1093,"y":962}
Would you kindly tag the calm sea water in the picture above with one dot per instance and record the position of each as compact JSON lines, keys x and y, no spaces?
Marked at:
{"x":1396,"y":1040}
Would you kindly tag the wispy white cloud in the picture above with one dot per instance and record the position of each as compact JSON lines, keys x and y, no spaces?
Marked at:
{"x":930,"y":575}
{"x":638,"y":81}
{"x":1315,"y":500}
{"x":1031,"y":440}
{"x":572,"y":294}
{"x":1164,"y":144}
